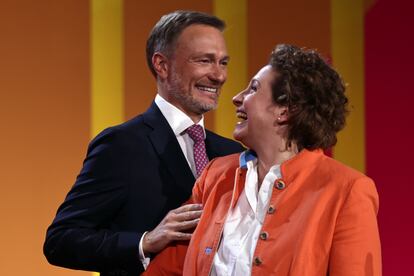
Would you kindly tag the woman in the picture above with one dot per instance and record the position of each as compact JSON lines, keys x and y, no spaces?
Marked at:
{"x":283,"y":207}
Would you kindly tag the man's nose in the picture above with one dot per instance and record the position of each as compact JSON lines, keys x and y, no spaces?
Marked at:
{"x":218,"y":73}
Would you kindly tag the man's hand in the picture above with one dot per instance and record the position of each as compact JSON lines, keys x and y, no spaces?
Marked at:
{"x":172,"y":228}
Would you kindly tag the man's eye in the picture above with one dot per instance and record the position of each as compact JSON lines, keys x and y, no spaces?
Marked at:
{"x":204,"y":60}
{"x":253,"y":88}
{"x":224,"y":63}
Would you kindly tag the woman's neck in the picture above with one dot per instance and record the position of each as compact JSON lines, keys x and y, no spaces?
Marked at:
{"x":268,"y":158}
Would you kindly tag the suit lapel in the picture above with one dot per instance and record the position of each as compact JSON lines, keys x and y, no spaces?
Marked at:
{"x":165,"y":144}
{"x":211,"y":146}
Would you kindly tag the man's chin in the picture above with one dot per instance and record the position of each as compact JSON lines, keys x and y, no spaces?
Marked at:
{"x":203,"y":107}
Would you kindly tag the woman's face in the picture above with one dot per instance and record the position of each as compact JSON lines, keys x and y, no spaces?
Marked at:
{"x":256,"y":111}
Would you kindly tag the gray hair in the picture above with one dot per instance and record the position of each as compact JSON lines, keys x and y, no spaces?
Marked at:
{"x":169,"y":27}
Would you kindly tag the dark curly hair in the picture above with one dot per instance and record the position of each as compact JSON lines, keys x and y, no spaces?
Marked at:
{"x":169,"y":27}
{"x":314,"y":94}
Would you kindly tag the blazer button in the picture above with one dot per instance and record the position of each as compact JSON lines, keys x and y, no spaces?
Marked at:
{"x":257,"y":261}
{"x":264,"y":236}
{"x":279,"y":184}
{"x":271,"y":209}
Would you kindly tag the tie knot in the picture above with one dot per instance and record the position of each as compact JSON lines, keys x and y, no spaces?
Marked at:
{"x":196,"y":133}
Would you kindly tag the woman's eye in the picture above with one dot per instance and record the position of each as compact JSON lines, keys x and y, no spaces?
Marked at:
{"x":253,"y":88}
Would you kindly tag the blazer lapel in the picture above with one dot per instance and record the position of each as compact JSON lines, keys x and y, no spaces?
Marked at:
{"x":211,"y":146}
{"x":165,"y":144}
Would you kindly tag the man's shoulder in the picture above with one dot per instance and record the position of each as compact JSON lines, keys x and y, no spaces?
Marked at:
{"x":124,"y":133}
{"x":139,"y":124}
{"x":124,"y":128}
{"x":149,"y":119}
{"x":221,"y":145}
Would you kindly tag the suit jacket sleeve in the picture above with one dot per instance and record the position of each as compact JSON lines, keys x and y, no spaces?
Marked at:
{"x":80,"y":236}
{"x":356,"y":246}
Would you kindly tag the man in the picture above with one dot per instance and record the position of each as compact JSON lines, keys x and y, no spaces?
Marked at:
{"x":136,"y":172}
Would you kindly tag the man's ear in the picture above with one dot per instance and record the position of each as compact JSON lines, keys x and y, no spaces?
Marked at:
{"x":160,"y":63}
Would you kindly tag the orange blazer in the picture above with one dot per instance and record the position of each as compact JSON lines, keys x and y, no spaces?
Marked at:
{"x":321,"y":220}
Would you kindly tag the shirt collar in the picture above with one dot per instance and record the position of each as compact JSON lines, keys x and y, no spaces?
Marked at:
{"x":250,"y":155}
{"x":177,"y":119}
{"x":245,"y":157}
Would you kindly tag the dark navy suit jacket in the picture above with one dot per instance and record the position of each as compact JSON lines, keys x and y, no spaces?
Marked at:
{"x":134,"y":173}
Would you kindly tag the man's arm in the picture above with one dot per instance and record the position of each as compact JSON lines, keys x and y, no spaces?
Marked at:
{"x":83,"y":234}
{"x":80,"y":236}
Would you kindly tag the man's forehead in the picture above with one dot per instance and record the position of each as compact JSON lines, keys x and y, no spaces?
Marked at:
{"x":199,"y":31}
{"x":201,"y":40}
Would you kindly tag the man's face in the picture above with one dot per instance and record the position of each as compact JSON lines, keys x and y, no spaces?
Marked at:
{"x":197,"y":69}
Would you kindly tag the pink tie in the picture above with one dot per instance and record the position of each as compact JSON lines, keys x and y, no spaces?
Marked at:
{"x":196,"y":133}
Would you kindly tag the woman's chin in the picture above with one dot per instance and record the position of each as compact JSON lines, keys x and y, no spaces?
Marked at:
{"x":239,"y":133}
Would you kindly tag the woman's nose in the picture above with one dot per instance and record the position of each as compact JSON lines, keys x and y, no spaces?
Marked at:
{"x":238,"y":99}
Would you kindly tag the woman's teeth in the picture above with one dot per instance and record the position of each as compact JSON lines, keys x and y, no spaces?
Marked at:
{"x":242,"y":116}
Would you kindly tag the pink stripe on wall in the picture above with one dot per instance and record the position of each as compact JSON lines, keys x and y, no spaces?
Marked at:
{"x":389,"y":126}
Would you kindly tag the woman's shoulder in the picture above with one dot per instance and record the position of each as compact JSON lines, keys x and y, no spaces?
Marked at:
{"x":225,"y":162}
{"x":343,"y":177}
{"x":334,"y":167}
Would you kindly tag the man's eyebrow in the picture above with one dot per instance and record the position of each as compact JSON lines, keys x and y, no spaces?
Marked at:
{"x":227,"y":58}
{"x":211,"y":56}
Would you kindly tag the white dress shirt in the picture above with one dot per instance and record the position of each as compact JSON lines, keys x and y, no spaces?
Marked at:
{"x":243,"y":224}
{"x":179,"y":122}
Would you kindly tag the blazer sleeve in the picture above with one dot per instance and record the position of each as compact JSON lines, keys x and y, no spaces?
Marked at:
{"x":80,"y":237}
{"x":356,"y":246}
{"x":170,"y":261}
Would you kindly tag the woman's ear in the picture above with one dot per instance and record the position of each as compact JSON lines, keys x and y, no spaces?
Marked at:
{"x":282,"y":115}
{"x":160,"y":63}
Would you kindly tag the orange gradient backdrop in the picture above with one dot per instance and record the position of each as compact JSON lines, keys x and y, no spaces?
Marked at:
{"x":46,"y":109}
